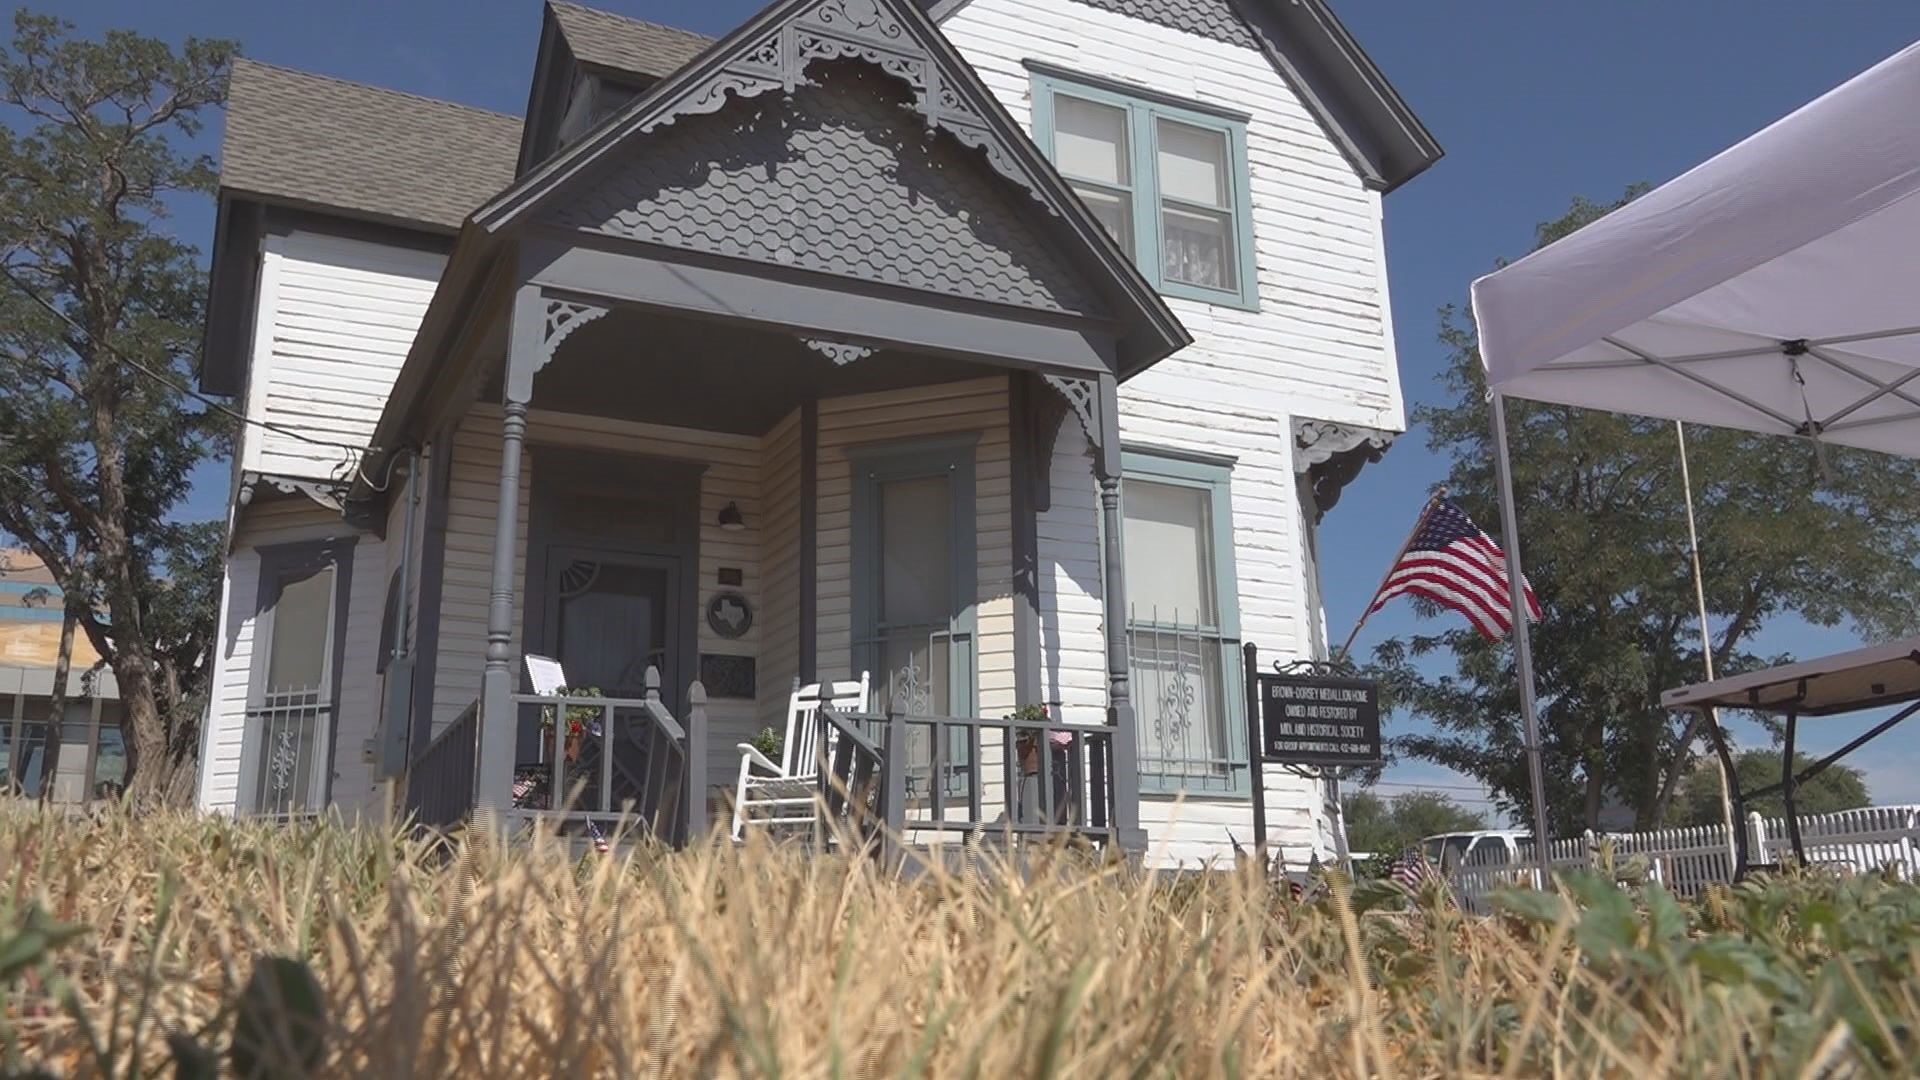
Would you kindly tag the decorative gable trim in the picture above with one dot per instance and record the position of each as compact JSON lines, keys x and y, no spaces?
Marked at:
{"x":772,"y":52}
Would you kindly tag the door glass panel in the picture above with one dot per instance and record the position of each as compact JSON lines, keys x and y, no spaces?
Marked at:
{"x":290,"y":712}
{"x":915,"y":653}
{"x":612,"y":625}
{"x":916,"y":561}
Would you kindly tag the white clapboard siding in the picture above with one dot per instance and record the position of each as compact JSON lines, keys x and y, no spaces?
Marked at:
{"x":1321,"y":344}
{"x":221,"y":743}
{"x":779,"y":616}
{"x":334,"y":323}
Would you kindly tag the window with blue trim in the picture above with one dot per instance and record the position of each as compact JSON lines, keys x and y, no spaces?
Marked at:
{"x":1169,"y":182}
{"x":1183,"y":625}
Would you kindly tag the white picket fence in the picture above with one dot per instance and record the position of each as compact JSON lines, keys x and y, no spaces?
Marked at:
{"x":1685,"y":860}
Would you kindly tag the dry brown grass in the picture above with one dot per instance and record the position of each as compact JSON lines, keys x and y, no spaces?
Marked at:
{"x":480,"y":963}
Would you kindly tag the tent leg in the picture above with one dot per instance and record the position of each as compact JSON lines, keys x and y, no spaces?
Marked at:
{"x":1786,"y":792}
{"x":1741,"y":856}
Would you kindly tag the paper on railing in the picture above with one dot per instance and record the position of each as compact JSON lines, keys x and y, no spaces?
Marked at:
{"x":546,"y":675}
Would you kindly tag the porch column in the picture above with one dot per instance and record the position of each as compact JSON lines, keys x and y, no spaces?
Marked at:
{"x":499,"y":721}
{"x":1126,"y":741}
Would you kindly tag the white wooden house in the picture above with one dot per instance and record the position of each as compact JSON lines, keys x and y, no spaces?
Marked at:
{"x":1009,"y":350}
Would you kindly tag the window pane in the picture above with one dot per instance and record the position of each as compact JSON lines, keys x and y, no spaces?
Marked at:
{"x":1198,"y":247}
{"x":1090,"y":140}
{"x":1113,"y":209}
{"x":1169,"y":544}
{"x":916,"y":560}
{"x":298,"y":653}
{"x":1193,"y":164}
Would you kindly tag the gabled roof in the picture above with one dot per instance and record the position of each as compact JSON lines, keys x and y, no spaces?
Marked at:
{"x":635,"y":46}
{"x":767,"y":54}
{"x":308,"y":140}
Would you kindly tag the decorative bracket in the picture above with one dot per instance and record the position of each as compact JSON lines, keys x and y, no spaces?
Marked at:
{"x":841,"y":353}
{"x":562,"y":319}
{"x":1331,"y":455}
{"x":1082,"y":396}
{"x":329,"y":494}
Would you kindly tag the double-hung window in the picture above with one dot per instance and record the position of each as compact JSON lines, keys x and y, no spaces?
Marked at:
{"x":1183,"y":625}
{"x":1169,"y":182}
{"x":293,"y":689}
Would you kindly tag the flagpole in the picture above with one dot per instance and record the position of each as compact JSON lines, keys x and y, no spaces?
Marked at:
{"x":1367,"y":612}
{"x":1522,"y":639}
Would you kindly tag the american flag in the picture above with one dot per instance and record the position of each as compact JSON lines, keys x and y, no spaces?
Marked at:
{"x":1412,"y":870}
{"x":1451,"y":562}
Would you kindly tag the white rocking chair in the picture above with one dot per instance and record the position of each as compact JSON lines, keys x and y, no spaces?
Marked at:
{"x":785,"y":791}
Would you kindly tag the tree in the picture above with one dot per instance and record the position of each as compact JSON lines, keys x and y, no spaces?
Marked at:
{"x":1829,"y":537}
{"x":100,"y":314}
{"x":1838,"y":787}
{"x":1384,"y":827}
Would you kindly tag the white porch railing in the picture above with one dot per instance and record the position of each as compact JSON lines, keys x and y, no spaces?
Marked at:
{"x":1686,"y":860}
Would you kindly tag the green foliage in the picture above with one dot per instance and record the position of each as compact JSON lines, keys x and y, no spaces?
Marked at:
{"x":1387,"y":827}
{"x":770,"y":743}
{"x":1838,"y":787}
{"x":1830,"y":539}
{"x":94,"y":455}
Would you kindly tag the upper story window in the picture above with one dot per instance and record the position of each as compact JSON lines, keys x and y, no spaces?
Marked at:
{"x":1169,"y":182}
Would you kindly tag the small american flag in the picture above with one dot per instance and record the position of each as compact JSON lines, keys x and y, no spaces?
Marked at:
{"x":1411,"y":869}
{"x":1452,"y":563}
{"x":599,"y":838}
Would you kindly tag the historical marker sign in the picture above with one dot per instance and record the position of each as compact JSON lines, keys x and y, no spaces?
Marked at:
{"x":1306,"y":720}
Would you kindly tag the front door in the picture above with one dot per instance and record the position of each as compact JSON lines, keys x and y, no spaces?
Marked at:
{"x":610,"y":617}
{"x":612,"y":547}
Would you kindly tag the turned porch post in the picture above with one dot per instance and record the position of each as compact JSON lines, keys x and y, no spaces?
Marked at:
{"x":499,"y":720}
{"x":1126,"y":741}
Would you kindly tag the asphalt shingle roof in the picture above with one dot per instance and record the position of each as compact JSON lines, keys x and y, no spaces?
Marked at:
{"x":634,"y":45}
{"x":310,"y":139}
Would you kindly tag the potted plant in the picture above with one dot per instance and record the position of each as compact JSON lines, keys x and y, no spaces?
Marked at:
{"x":770,"y":744}
{"x":581,"y":721}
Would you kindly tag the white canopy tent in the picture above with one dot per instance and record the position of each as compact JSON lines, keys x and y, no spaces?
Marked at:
{"x":1771,"y":289}
{"x":1775,"y":288}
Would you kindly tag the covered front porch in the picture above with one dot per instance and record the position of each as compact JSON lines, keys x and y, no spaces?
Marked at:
{"x":756,"y":386}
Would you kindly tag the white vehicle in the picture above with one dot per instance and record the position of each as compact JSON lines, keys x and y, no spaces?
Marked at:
{"x":1487,"y":847}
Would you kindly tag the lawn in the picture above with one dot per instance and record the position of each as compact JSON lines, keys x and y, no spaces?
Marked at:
{"x":141,"y":946}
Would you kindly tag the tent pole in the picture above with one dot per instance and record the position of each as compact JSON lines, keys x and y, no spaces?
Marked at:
{"x":1522,"y":639}
{"x":1706,"y":637}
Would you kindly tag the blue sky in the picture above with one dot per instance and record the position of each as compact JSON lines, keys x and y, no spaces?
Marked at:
{"x":1535,"y":103}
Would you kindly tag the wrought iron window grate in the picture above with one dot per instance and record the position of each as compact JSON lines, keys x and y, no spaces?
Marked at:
{"x":1185,"y":682}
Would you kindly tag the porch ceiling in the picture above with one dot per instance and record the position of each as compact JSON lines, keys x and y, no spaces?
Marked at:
{"x":714,"y":376}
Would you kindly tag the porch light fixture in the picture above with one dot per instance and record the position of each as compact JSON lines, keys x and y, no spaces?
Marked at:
{"x":731,"y":519}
